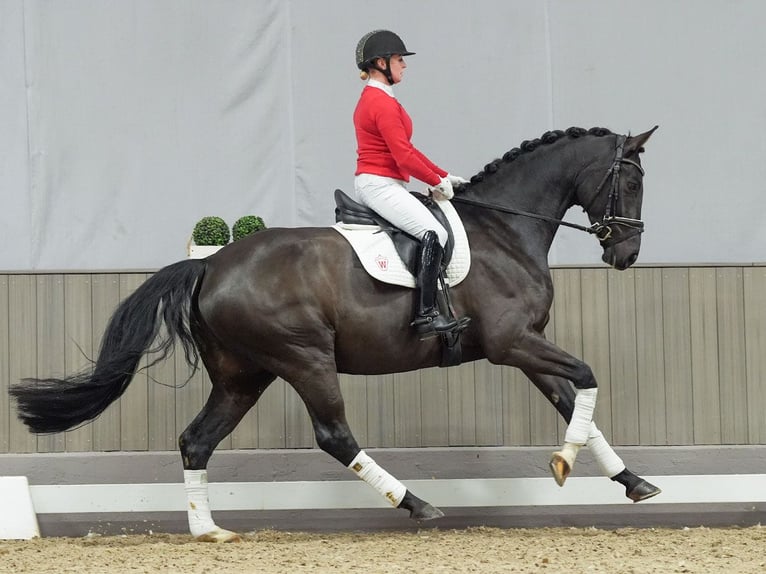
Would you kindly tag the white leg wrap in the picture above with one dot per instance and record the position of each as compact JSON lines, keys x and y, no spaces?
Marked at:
{"x":608,"y":461}
{"x":569,"y":453}
{"x":579,"y":427}
{"x":369,"y":471}
{"x":198,"y":509}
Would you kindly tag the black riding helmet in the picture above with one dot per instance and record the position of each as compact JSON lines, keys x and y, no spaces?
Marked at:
{"x":379,"y":44}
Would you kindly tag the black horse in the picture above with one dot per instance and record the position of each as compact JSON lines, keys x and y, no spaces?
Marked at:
{"x":290,"y":303}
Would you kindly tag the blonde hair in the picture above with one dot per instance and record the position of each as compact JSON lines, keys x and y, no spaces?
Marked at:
{"x":364,"y":76}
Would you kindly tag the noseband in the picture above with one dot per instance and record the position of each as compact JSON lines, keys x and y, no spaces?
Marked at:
{"x":603,"y":229}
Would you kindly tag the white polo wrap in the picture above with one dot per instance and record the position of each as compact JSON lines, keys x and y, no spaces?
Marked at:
{"x":369,"y":471}
{"x":579,"y":427}
{"x":198,"y":505}
{"x":608,"y":461}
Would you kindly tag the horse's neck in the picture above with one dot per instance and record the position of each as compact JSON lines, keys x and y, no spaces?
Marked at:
{"x":533,"y":185}
{"x":537,"y":185}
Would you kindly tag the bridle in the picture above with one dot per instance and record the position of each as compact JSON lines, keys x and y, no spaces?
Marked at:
{"x":601,"y":229}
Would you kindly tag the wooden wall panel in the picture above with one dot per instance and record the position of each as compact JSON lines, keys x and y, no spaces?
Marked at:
{"x":516,"y":415}
{"x":488,"y":382}
{"x":462,"y":404}
{"x":434,"y":392}
{"x":381,"y":431}
{"x":51,"y":343}
{"x":678,"y":353}
{"x":134,"y":404}
{"x":247,"y":432}
{"x":754,"y":283}
{"x":105,"y":290}
{"x":568,"y":310}
{"x":354,"y":390}
{"x":6,"y":407}
{"x":676,"y":334}
{"x":407,"y":409}
{"x":78,"y":347}
{"x":623,"y":365}
{"x":704,"y":356}
{"x":161,"y":397}
{"x":22,"y":350}
{"x":596,"y":343}
{"x":732,"y":359}
{"x":271,"y":416}
{"x":650,"y":357}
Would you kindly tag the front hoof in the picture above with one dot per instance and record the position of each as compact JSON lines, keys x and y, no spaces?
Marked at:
{"x":419,"y":509}
{"x":219,"y":535}
{"x":559,"y":468}
{"x":642,"y":491}
{"x":426,"y":512}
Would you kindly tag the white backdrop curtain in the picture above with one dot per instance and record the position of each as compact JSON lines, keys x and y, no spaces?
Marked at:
{"x":122,"y":122}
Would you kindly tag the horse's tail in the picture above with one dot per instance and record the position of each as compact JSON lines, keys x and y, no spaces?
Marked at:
{"x":55,"y":405}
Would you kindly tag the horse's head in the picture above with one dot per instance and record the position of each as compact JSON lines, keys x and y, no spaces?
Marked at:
{"x":615,"y":206}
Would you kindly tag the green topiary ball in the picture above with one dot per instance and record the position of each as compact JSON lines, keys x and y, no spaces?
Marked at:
{"x":246,"y":225}
{"x":211,"y":230}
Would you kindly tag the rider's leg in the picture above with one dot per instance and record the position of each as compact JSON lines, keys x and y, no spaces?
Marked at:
{"x":391,"y":200}
{"x":428,"y":321}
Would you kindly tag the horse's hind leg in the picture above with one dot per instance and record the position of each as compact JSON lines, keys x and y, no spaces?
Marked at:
{"x":325,"y":406}
{"x":560,"y":393}
{"x":229,"y":401}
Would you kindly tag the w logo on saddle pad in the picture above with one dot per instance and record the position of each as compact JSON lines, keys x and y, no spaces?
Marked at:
{"x":376,"y":250}
{"x":382,"y":262}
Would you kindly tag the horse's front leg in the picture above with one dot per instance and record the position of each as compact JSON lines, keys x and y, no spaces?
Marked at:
{"x":533,"y":353}
{"x":560,"y":393}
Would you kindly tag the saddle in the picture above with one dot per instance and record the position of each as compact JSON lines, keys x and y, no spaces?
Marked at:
{"x":350,"y":212}
{"x":407,"y":247}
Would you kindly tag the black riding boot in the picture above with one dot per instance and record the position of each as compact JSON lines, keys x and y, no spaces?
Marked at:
{"x":428,"y":321}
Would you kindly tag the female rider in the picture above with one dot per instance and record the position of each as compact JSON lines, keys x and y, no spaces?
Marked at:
{"x":386,"y":159}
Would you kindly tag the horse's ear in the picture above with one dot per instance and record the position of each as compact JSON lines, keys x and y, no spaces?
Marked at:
{"x":635,"y":144}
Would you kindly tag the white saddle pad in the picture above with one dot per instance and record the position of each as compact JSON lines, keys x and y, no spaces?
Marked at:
{"x":379,"y":257}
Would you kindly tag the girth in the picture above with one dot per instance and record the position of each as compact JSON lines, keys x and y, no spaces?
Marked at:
{"x":353,"y":213}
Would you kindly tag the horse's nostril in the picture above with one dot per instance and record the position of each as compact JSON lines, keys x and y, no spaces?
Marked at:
{"x":632,"y":259}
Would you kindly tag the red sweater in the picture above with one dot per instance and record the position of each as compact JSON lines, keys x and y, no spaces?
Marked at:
{"x":383,"y":132}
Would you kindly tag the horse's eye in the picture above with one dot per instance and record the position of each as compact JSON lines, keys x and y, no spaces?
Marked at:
{"x":633,"y":186}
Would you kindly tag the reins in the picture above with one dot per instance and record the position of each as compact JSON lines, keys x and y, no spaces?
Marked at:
{"x":601,"y":229}
{"x":595,"y":228}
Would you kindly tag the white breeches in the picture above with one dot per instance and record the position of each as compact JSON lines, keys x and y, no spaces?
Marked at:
{"x":389,"y":198}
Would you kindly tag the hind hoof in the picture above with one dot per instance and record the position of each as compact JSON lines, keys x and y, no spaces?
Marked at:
{"x":560,"y":468}
{"x":426,"y":512}
{"x":219,"y":535}
{"x":642,"y":491}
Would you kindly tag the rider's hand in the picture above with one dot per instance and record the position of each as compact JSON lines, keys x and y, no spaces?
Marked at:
{"x":456,"y":180}
{"x":443,"y":189}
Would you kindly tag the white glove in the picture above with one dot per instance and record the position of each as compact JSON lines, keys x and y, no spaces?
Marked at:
{"x":456,"y":179}
{"x":443,"y":189}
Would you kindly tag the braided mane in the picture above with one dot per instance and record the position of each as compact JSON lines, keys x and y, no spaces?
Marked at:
{"x":530,"y":145}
